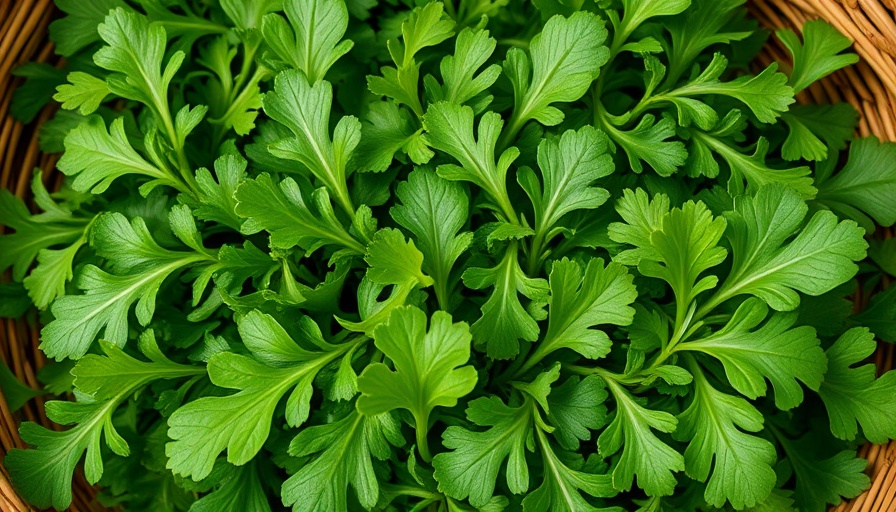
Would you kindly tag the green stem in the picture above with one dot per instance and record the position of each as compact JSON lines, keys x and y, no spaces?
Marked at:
{"x":422,"y":428}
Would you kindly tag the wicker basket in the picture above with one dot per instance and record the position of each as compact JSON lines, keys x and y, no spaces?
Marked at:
{"x":870,"y":86}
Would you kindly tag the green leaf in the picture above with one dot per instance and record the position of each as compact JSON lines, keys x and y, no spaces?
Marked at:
{"x":426,"y":26}
{"x":241,"y":422}
{"x":97,"y":158}
{"x":282,"y":210}
{"x":563,"y":61}
{"x":504,"y":321}
{"x":434,"y":210}
{"x":449,"y":128}
{"x":134,"y":51}
{"x":471,"y":467}
{"x":569,"y":166}
{"x":393,"y":260}
{"x":648,"y":142}
{"x":305,"y":109}
{"x":753,"y":169}
{"x":677,"y":247}
{"x":32,"y":234}
{"x":561,"y":485}
{"x":78,"y":28}
{"x":643,"y":454}
{"x":140,"y":265}
{"x":582,"y":299}
{"x":576,"y":408}
{"x":83,"y":92}
{"x":43,"y":474}
{"x":822,"y":480}
{"x":427,"y":368}
{"x":718,"y":427}
{"x":819,"y":55}
{"x":767,"y":94}
{"x":773,"y":264}
{"x":238,"y":488}
{"x":217,"y":199}
{"x":15,"y":393}
{"x":815,"y":128}
{"x":346,"y":448}
{"x":704,"y":24}
{"x":386,"y":130}
{"x":853,"y":396}
{"x":472,"y":49}
{"x":776,"y":351}
{"x":865,"y":185}
{"x":311,"y":41}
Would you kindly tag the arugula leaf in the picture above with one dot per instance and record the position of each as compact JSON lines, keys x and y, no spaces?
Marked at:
{"x":822,"y":480}
{"x":237,"y":487}
{"x":819,"y":55}
{"x":471,"y":468}
{"x":426,"y":372}
{"x":241,"y":422}
{"x":217,"y":199}
{"x":648,"y":142}
{"x":576,"y":408}
{"x":84,"y":92}
{"x":472,"y":50}
{"x":643,"y":454}
{"x":561,"y":485}
{"x":776,"y":351}
{"x":346,"y":447}
{"x":563,"y":61}
{"x":815,"y":128}
{"x":581,"y":299}
{"x":426,"y":26}
{"x":15,"y":393}
{"x":44,"y":475}
{"x":141,"y":267}
{"x":281,"y":210}
{"x":96,"y":158}
{"x":78,"y":28}
{"x":568,"y":168}
{"x":386,"y":130}
{"x":449,"y":128}
{"x":310,"y":42}
{"x":716,"y":425}
{"x":504,"y":321}
{"x":862,"y":188}
{"x":304,"y":108}
{"x":853,"y":396}
{"x":766,"y":265}
{"x":434,"y":210}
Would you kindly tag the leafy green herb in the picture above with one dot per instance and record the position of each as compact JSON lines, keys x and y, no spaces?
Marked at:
{"x":475,"y":255}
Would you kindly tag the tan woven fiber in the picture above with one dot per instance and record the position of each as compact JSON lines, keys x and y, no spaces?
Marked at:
{"x":870,"y":86}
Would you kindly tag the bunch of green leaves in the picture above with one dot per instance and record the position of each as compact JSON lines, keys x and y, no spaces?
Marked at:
{"x":477,"y":255}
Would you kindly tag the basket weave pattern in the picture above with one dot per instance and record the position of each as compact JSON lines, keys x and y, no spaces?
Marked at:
{"x":870,"y":86}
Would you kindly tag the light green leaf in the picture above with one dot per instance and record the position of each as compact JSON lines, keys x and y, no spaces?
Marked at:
{"x":427,"y":368}
{"x":853,"y":397}
{"x":564,"y":59}
{"x":776,"y":351}
{"x":241,"y":422}
{"x":718,"y":428}
{"x":643,"y":454}
{"x":504,"y":321}
{"x":305,"y":109}
{"x":471,"y":467}
{"x":434,"y":210}
{"x":83,"y":92}
{"x":311,"y":41}
{"x":819,"y":55}
{"x":771,"y":265}
{"x":344,"y":451}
